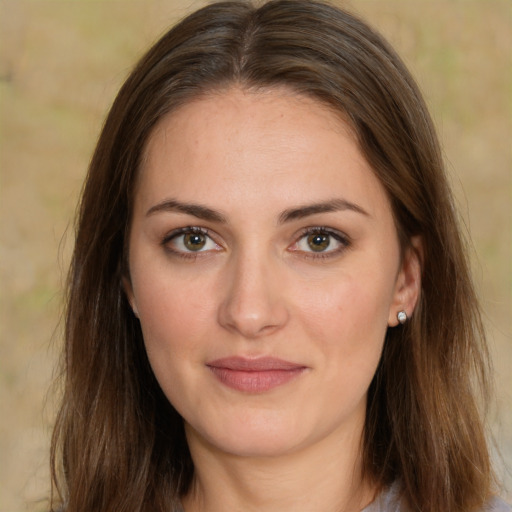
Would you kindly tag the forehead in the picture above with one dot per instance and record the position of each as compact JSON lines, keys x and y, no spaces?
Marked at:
{"x":241,"y":108}
{"x":272,"y":142}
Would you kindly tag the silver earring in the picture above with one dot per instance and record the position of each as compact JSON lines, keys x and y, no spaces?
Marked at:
{"x":402,"y":317}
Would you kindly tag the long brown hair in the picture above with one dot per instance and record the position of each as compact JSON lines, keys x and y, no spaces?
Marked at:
{"x":118,"y":443}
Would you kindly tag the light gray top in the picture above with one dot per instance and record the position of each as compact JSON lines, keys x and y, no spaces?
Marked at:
{"x":389,"y":501}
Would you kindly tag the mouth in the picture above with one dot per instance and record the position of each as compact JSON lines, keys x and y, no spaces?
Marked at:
{"x":254,"y":375}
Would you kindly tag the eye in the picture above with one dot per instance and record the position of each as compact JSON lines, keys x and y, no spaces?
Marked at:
{"x":189,"y":240}
{"x":320,"y":241}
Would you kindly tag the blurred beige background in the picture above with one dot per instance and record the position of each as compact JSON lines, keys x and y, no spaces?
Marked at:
{"x":61,"y":63}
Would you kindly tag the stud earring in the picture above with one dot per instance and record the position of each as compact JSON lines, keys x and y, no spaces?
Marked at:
{"x":402,"y":317}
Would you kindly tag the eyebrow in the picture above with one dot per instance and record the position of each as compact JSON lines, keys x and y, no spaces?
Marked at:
{"x":196,"y":210}
{"x":291,"y":214}
{"x":334,"y":205}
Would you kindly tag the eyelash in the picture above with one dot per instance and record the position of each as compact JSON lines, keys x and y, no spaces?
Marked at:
{"x":190,"y":255}
{"x":341,"y":238}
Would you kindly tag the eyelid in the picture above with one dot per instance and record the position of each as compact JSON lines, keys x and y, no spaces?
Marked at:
{"x":341,"y":237}
{"x":183,"y":230}
{"x":175,"y":233}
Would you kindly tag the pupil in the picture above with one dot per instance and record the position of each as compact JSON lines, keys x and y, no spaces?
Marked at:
{"x":194,"y":241}
{"x":318,"y":242}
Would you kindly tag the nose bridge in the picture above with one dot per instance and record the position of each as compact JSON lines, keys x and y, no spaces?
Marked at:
{"x":253,"y":303}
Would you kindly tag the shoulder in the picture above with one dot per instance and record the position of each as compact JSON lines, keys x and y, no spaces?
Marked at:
{"x":389,"y":501}
{"x":497,"y":505}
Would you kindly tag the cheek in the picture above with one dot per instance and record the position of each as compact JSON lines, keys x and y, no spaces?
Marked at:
{"x":166,"y":301}
{"x":348,"y":322}
{"x":174,"y":317}
{"x":173,"y":329}
{"x":347,"y":304}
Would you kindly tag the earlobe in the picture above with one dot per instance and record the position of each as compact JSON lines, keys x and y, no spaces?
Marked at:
{"x":408,"y":284}
{"x":402,"y":317}
{"x":128,"y":290}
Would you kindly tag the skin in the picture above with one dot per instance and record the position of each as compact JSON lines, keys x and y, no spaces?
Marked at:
{"x":255,"y":162}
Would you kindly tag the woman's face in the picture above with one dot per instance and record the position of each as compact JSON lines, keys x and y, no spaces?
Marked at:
{"x":265,"y":269}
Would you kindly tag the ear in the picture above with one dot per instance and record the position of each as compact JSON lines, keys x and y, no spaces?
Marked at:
{"x":408,"y":282}
{"x":128,"y":290}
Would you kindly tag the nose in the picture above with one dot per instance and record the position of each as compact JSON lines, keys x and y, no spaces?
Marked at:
{"x":254,"y":300}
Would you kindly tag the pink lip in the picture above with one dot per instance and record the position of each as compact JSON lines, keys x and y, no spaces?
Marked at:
{"x":254,"y":375}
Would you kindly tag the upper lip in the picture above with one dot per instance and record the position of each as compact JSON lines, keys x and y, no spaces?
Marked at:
{"x":260,"y":364}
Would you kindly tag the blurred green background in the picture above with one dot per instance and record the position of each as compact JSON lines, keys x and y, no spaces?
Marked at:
{"x":61,"y":63}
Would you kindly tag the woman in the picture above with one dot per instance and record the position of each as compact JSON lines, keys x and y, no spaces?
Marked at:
{"x":269,"y":301}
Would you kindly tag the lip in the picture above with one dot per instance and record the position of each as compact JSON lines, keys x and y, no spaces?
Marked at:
{"x":254,"y":375}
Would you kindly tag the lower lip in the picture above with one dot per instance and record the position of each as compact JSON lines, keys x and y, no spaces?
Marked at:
{"x":255,"y":381}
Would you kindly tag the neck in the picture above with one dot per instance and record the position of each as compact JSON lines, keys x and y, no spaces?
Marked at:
{"x":326,"y":476}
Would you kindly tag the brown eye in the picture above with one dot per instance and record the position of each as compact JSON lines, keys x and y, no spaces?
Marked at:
{"x":190,"y":240}
{"x":194,"y":241}
{"x":319,"y":242}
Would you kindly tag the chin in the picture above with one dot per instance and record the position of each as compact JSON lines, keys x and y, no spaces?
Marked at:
{"x":249,"y":437}
{"x":258,"y":446}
